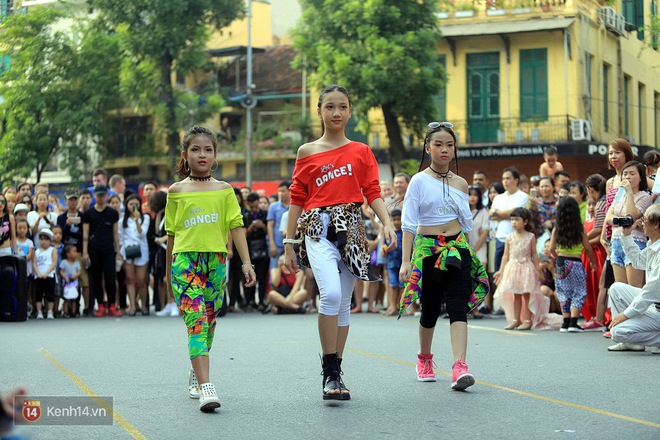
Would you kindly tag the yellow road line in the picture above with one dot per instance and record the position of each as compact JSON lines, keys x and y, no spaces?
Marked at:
{"x":522,"y":393}
{"x":121,"y":421}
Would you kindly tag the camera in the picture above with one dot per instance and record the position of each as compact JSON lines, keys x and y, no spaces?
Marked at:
{"x":625,"y":222}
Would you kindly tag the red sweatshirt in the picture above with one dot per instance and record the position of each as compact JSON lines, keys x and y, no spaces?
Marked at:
{"x":336,"y":177}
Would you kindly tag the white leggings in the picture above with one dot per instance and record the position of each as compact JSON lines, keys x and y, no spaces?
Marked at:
{"x":334,"y":280}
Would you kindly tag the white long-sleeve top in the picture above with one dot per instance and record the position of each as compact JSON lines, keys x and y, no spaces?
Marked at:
{"x":129,"y":236}
{"x":430,"y":202}
{"x":647,"y":260}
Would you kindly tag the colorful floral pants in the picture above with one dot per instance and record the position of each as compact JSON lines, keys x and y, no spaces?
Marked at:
{"x":198,"y":285}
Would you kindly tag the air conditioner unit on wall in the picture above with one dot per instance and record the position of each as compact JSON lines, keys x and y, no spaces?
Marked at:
{"x":580,"y":130}
{"x":613,"y":22}
{"x":620,"y":24}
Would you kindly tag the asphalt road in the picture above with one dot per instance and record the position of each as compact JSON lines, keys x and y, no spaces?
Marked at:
{"x":530,"y":385}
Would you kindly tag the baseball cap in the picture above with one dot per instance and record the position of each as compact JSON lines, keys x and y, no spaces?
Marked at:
{"x":21,"y":207}
{"x":71,"y":194}
{"x":47,"y":232}
{"x":100,"y":189}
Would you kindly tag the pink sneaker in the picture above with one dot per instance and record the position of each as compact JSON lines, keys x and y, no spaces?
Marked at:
{"x":461,"y":377}
{"x":607,"y":335}
{"x":594,"y":326}
{"x":425,"y":366}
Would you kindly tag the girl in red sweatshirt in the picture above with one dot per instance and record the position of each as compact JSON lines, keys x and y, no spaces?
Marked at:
{"x":331,"y":177}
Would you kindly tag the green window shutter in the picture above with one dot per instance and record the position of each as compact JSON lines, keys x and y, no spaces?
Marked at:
{"x":440,"y":100}
{"x":639,"y":19}
{"x":534,"y":84}
{"x":654,"y":15}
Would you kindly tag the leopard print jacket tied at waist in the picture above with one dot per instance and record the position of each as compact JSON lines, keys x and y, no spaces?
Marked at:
{"x":347,"y":230}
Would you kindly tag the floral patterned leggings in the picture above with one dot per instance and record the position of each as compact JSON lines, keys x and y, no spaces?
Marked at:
{"x":198,"y":285}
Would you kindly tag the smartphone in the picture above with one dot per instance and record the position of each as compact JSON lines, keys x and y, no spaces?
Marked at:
{"x":75,"y":220}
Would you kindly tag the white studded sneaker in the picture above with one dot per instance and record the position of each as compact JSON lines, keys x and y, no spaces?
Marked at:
{"x":193,"y":385}
{"x":208,"y":398}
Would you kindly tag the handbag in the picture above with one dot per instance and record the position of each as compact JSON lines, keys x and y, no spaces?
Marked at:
{"x":70,"y":290}
{"x":133,"y":251}
{"x":258,"y":249}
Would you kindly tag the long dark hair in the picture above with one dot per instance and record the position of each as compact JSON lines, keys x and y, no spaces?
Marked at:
{"x":193,"y":131}
{"x":329,"y":89}
{"x":427,"y":139}
{"x":568,"y":222}
{"x":127,"y":214}
{"x":158,"y":201}
{"x":498,"y":187}
{"x":475,"y":189}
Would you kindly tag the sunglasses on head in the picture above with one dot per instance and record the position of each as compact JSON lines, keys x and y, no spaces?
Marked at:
{"x":434,"y":125}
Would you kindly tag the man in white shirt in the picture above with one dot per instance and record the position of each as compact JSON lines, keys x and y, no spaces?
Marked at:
{"x":636,"y":323}
{"x":503,"y":206}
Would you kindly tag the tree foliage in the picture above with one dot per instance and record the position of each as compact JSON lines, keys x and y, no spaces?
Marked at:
{"x":383,"y":51}
{"x":157,"y":38}
{"x":56,"y":93}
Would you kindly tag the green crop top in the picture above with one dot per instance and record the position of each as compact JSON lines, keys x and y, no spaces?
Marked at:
{"x":573,"y":251}
{"x":201,"y":221}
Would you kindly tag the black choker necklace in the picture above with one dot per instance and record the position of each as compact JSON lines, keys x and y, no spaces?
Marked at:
{"x":200,"y":178}
{"x":439,"y":174}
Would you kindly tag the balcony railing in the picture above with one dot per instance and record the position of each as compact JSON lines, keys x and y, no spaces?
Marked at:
{"x":513,"y":130}
{"x":471,"y":8}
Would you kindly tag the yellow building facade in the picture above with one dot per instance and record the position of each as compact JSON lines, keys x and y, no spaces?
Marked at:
{"x":526,"y":74}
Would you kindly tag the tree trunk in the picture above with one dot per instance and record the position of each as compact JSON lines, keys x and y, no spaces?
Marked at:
{"x":167,"y":97}
{"x":397,"y":150}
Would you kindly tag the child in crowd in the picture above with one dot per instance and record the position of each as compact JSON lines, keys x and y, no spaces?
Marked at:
{"x":547,"y":266}
{"x":551,"y":164}
{"x":57,"y":242}
{"x":69,"y":273}
{"x":44,"y":264}
{"x":394,"y":266}
{"x":24,"y":245}
{"x":287,"y":292}
{"x":568,"y":240}
{"x":519,"y":278}
{"x":579,"y":192}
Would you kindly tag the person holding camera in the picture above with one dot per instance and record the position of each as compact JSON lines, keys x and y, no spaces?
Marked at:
{"x":630,"y":203}
{"x":636,"y":323}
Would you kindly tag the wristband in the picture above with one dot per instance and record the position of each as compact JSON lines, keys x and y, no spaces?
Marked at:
{"x":292,"y":241}
{"x":249,"y":264}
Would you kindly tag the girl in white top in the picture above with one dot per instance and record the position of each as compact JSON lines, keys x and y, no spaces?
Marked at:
{"x":436,"y":213}
{"x":44,"y":265}
{"x":133,"y":227}
{"x":41,"y":217}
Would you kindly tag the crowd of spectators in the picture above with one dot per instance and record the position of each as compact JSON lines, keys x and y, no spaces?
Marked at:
{"x":109,"y":242}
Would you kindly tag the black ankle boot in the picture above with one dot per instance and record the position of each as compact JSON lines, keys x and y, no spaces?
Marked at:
{"x":345,"y":393}
{"x":331,"y":379}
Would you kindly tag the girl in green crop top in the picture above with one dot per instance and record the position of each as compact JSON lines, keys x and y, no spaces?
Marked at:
{"x":568,"y":239}
{"x":201,"y":211}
